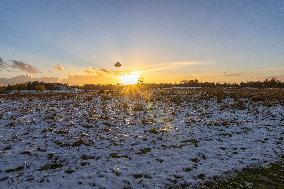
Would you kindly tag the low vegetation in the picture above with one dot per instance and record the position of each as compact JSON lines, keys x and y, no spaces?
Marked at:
{"x":42,"y":86}
{"x":267,"y":177}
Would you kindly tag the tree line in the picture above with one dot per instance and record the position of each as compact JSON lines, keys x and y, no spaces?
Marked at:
{"x":35,"y":85}
{"x":268,"y":83}
{"x":41,"y":86}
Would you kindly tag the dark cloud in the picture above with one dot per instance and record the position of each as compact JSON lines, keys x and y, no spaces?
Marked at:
{"x":3,"y":65}
{"x":23,"y":67}
{"x":105,"y":70}
{"x":15,"y":64}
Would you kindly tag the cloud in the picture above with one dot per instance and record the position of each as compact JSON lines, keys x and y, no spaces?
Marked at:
{"x":187,"y":63}
{"x":91,"y":70}
{"x":105,"y":70}
{"x":26,"y":78}
{"x":3,"y":65}
{"x":157,"y":67}
{"x":94,"y":75}
{"x":71,"y":79}
{"x":23,"y":67}
{"x":15,"y":64}
{"x":173,"y":65}
{"x":78,"y":79}
{"x":118,"y":72}
{"x":233,"y":74}
{"x":96,"y":71}
{"x":59,"y":67}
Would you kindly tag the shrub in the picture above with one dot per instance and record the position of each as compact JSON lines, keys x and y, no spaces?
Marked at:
{"x":40,"y":88}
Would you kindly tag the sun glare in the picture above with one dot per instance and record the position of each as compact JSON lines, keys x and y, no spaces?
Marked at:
{"x":130,"y":79}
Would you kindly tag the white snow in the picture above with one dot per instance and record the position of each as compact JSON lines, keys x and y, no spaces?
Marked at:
{"x":90,"y":140}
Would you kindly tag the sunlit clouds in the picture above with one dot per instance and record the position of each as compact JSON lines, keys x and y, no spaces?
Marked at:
{"x":59,"y":67}
{"x":130,"y":73}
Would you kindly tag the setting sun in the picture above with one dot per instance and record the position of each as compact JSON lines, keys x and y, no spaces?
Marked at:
{"x":130,"y":79}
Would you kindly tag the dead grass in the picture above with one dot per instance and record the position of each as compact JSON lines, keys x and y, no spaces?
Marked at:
{"x":270,"y":177}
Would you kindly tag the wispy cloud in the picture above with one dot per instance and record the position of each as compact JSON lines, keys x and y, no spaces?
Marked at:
{"x":83,"y":79}
{"x":59,"y":67}
{"x":109,"y":72}
{"x":187,"y":63}
{"x":105,"y":70}
{"x":91,"y":70}
{"x":233,"y":74}
{"x":173,"y":65}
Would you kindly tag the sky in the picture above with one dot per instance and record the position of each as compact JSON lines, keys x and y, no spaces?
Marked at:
{"x":78,"y":42}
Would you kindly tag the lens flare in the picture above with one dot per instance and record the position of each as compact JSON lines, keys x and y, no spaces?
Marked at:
{"x":130,"y":79}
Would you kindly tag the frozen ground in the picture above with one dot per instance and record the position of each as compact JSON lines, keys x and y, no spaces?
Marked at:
{"x":160,"y":139}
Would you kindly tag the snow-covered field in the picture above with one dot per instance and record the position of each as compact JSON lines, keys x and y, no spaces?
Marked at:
{"x":158,"y":139}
